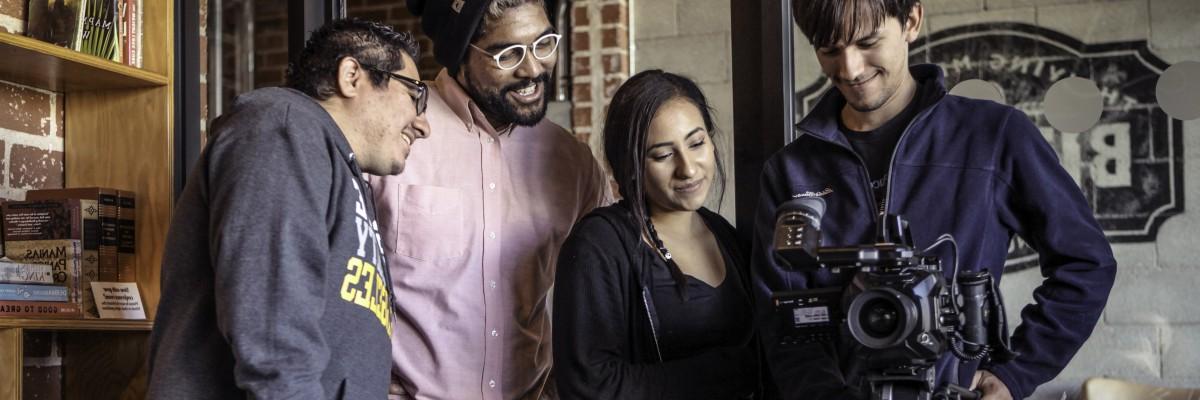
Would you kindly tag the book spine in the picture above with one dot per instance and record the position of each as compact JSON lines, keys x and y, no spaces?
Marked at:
{"x":35,"y":274}
{"x":125,"y":33}
{"x":62,"y":256}
{"x":109,"y":236}
{"x":15,"y":291}
{"x":81,"y":16}
{"x":127,"y":236}
{"x":136,"y":32}
{"x":54,"y":309}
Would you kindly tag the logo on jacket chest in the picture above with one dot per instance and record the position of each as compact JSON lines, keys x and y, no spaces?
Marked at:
{"x":813,"y":193}
{"x":366,"y":281}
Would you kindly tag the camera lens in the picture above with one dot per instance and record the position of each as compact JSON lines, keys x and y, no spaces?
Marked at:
{"x":879,"y":318}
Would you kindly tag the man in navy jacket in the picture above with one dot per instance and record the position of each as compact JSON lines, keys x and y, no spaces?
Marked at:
{"x":890,"y":140}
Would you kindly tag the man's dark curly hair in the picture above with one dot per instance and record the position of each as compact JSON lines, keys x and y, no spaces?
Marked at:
{"x":828,"y":22}
{"x":314,"y":72}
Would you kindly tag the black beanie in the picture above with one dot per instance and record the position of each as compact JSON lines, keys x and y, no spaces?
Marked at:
{"x":450,"y":24}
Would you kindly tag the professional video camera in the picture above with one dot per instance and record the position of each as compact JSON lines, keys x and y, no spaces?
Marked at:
{"x":899,"y":308}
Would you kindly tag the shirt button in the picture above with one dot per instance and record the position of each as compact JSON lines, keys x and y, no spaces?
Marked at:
{"x":492,"y":383}
{"x":494,"y":333}
{"x":492,"y":284}
{"x":491,"y":140}
{"x":492,"y":186}
{"x":491,"y":235}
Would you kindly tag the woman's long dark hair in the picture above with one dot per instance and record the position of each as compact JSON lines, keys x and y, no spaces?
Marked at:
{"x":626,"y":131}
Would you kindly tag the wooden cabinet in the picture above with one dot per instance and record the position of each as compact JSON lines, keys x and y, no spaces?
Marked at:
{"x":119,"y":133}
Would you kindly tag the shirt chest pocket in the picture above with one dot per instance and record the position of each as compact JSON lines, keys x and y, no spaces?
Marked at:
{"x":426,"y":222}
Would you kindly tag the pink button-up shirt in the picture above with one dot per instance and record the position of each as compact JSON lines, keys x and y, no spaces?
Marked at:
{"x":472,"y":230}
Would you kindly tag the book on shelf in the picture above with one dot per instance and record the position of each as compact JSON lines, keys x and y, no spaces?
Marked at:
{"x":131,"y":37}
{"x":127,"y":235}
{"x":100,"y":209}
{"x":63,"y":256}
{"x":53,"y":232}
{"x":40,"y":309}
{"x":109,"y":29}
{"x":18,"y":272}
{"x":23,"y":292}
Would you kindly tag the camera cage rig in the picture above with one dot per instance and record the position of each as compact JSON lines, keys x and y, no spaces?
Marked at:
{"x":905,"y":318}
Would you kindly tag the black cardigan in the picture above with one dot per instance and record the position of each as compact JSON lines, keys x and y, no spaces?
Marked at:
{"x":605,"y":346}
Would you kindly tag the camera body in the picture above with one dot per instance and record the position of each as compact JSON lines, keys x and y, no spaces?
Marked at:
{"x":899,"y":309}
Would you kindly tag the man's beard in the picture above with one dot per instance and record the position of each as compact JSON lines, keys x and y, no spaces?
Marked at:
{"x":497,"y":106}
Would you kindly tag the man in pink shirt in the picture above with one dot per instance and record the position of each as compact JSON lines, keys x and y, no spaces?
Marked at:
{"x":473,"y":227}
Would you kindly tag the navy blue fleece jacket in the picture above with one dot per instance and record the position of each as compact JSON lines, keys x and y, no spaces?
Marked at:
{"x":978,"y":170}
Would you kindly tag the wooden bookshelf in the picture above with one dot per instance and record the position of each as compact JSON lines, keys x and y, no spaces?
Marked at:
{"x":35,"y":63}
{"x":50,"y":324}
{"x":118,"y":133}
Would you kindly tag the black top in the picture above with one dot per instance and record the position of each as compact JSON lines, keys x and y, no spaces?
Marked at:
{"x":710,"y":317}
{"x":608,"y":329}
{"x":876,"y":148}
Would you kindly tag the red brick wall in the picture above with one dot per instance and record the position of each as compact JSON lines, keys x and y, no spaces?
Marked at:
{"x":270,"y":43}
{"x":396,"y":13}
{"x":270,"y":32}
{"x":599,"y":63}
{"x":31,"y":126}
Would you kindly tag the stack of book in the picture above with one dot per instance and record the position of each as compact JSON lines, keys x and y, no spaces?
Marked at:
{"x":110,"y":29}
{"x":59,"y":241}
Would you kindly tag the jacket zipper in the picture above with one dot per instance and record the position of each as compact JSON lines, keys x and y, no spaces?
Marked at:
{"x":650,"y":318}
{"x":887,"y":197}
{"x":887,"y":200}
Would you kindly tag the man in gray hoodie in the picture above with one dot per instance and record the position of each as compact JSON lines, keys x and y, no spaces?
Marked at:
{"x":274,"y":284}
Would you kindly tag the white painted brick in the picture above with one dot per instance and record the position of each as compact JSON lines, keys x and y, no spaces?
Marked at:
{"x":654,"y":18}
{"x":720,"y":98}
{"x":704,"y":58}
{"x":1002,"y":4}
{"x":1176,"y":54}
{"x":1173,"y":23}
{"x":703,"y":16}
{"x":1166,"y":296}
{"x":1017,"y":288}
{"x":938,"y":7}
{"x":1181,"y":352}
{"x":1177,"y":236}
{"x":940,"y":22}
{"x":1098,"y":22}
{"x":807,"y":69}
{"x":1135,"y":259}
{"x":1184,"y":382}
{"x":1125,"y":351}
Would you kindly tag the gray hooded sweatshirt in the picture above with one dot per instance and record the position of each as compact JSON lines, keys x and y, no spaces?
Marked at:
{"x":273,"y":283}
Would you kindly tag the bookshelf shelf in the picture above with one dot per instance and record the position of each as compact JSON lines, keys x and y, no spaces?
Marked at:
{"x":48,"y":324}
{"x":119,"y":126}
{"x":35,"y":63}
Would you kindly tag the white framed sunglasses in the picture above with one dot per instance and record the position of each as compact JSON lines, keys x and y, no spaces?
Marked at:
{"x":512,"y":56}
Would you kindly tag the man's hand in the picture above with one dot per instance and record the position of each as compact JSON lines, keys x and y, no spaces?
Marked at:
{"x":990,"y":386}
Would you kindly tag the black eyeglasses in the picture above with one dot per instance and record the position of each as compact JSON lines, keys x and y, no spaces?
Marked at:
{"x":422,"y":91}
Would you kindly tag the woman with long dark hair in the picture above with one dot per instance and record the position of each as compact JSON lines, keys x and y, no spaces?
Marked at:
{"x":652,"y":298}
